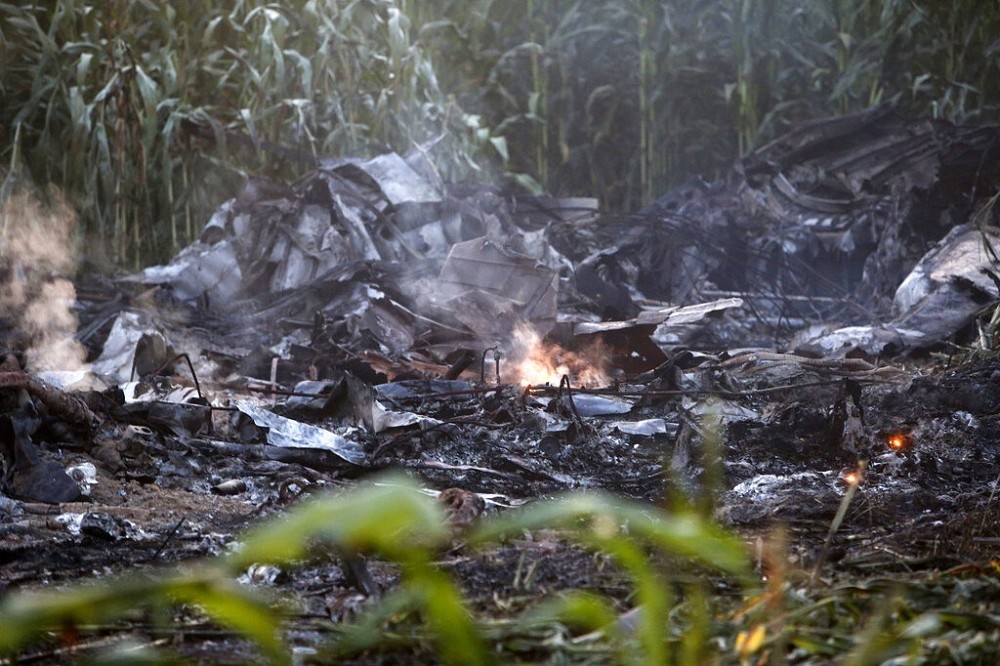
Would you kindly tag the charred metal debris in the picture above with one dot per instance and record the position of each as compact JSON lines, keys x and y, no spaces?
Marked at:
{"x":370,"y":315}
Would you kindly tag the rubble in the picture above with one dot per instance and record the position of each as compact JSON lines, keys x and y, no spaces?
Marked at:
{"x":503,"y":347}
{"x":288,"y":433}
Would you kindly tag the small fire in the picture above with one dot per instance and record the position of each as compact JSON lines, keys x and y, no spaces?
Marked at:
{"x":897,"y":441}
{"x":852,"y":478}
{"x":537,"y":362}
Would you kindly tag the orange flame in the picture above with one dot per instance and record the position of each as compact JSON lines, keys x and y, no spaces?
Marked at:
{"x":537,"y":362}
{"x":897,"y":441}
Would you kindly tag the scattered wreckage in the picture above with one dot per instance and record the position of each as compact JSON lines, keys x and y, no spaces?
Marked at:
{"x":372,"y":316}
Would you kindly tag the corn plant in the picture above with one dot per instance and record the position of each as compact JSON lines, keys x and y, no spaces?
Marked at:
{"x":640,"y":96}
{"x":143,"y":111}
{"x":147,"y":112}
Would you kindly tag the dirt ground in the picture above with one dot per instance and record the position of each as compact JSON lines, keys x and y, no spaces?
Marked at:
{"x":793,"y":430}
{"x":800,"y":348}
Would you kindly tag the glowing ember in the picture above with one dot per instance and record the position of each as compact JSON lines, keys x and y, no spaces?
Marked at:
{"x":897,"y":442}
{"x":852,"y":478}
{"x":536,"y":362}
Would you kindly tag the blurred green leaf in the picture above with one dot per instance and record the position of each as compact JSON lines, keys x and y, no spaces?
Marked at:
{"x":237,"y":608}
{"x":392,"y":519}
{"x":689,"y":535}
{"x":458,"y":639}
{"x":580,"y":610}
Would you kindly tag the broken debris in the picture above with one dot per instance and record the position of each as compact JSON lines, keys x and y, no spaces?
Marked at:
{"x":510,"y":347}
{"x":288,"y":433}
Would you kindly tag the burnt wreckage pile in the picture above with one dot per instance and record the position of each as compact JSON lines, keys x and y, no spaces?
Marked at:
{"x":371,"y":316}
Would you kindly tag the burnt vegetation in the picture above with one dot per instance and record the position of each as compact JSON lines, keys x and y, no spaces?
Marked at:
{"x":520,"y":332}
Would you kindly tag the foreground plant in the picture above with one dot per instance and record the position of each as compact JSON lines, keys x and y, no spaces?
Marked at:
{"x":677,"y":615}
{"x":394,"y":521}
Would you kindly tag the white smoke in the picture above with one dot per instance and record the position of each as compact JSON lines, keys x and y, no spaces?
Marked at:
{"x":37,"y":253}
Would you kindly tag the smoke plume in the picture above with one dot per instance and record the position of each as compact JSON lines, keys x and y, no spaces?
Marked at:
{"x":36,"y":297}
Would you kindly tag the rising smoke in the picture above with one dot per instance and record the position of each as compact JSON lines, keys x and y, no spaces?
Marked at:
{"x":36,"y":296}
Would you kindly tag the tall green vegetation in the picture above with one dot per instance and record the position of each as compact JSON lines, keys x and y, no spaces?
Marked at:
{"x":643,"y":95}
{"x":145,"y":112}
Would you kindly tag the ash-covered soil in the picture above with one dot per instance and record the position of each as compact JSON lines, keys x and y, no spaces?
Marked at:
{"x":924,"y":441}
